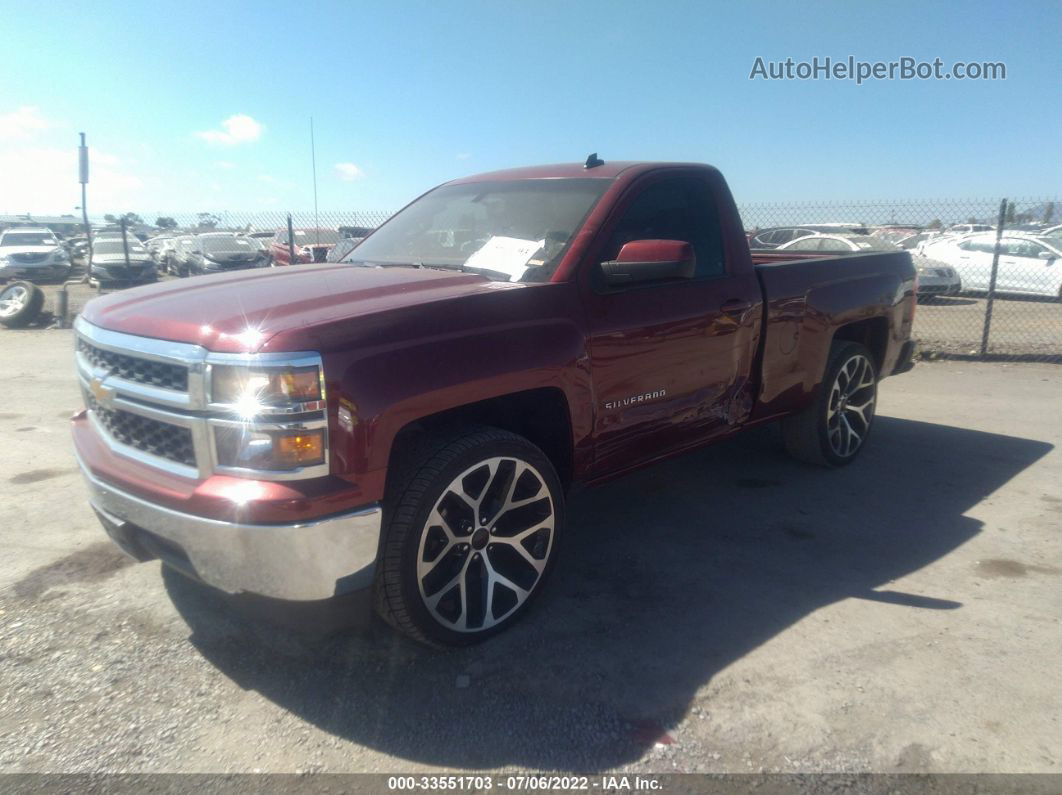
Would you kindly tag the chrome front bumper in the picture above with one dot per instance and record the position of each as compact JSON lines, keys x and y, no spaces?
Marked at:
{"x":315,"y":560}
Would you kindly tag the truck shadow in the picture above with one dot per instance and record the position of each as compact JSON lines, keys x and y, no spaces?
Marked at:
{"x":668,"y":576}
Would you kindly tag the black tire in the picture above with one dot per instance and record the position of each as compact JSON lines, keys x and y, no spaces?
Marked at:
{"x":832,"y":431}
{"x":20,"y":304}
{"x":418,"y":558}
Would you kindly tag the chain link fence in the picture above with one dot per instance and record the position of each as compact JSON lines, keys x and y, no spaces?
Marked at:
{"x":1006,"y":306}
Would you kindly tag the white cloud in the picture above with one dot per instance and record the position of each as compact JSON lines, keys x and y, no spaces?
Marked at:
{"x":224,"y":164}
{"x":43,"y":180}
{"x":348,"y":172}
{"x":23,"y":123}
{"x":238,"y":129}
{"x":464,"y":155}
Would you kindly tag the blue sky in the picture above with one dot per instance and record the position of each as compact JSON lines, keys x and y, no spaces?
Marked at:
{"x":406,"y":95}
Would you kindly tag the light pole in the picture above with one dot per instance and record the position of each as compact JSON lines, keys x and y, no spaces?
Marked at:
{"x":83,"y":177}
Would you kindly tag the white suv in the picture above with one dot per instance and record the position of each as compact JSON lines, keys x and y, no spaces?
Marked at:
{"x":33,"y":254}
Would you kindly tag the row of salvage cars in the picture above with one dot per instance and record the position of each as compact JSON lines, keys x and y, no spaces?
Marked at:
{"x":216,"y":252}
{"x":955,"y":260}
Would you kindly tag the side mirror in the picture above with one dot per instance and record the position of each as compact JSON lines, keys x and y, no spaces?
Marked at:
{"x":650,"y":261}
{"x":1047,"y":255}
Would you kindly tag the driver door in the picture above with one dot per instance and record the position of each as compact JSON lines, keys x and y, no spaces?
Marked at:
{"x":670,"y":360}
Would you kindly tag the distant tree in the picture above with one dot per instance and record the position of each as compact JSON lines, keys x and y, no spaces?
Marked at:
{"x":934,"y":224}
{"x":1010,"y":213}
{"x":165,"y":222}
{"x":207,"y":220}
{"x":1049,"y":212}
{"x":132,"y":219}
{"x":971,"y":220}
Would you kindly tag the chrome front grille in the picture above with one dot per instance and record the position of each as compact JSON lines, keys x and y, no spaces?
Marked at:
{"x":150,"y":400}
{"x":133,"y":368}
{"x":147,"y":435}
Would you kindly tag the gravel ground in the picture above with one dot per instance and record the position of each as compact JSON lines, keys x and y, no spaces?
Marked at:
{"x":1022,"y":327}
{"x":727,"y":611}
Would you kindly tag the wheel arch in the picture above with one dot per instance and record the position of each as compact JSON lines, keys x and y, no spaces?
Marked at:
{"x":872,"y":333}
{"x":541,"y":415}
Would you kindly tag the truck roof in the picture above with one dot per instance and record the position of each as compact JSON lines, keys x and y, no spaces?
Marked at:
{"x":608,"y":170}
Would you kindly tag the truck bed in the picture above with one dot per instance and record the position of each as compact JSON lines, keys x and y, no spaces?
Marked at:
{"x":807,"y":296}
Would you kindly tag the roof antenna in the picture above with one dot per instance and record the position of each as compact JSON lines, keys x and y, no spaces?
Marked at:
{"x":593,"y":161}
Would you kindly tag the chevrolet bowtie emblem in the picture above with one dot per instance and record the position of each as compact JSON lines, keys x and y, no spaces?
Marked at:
{"x":104,"y":394}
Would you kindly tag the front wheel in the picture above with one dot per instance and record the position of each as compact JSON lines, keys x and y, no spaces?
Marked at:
{"x":834,"y":428}
{"x":470,"y":535}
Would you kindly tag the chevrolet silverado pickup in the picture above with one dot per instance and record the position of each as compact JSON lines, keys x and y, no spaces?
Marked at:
{"x":410,"y":419}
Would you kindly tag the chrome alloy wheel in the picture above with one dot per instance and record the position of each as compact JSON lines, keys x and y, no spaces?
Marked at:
{"x":850,"y":409}
{"x":485,"y":544}
{"x":12,"y":300}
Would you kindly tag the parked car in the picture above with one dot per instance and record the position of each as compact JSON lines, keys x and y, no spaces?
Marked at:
{"x":261,"y":245}
{"x":1052,"y":232}
{"x":934,"y":278}
{"x":311,"y":245}
{"x":175,"y":255}
{"x":33,"y":255}
{"x":1028,"y":264}
{"x":967,"y":229}
{"x":110,"y":268}
{"x":342,"y":248}
{"x":775,"y":236}
{"x":264,"y":430}
{"x":215,"y":252}
{"x":912,"y":242}
{"x":77,"y":248}
{"x":154,"y":244}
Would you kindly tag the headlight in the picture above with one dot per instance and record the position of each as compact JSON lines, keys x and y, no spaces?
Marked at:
{"x":255,"y":390}
{"x":269,"y":450}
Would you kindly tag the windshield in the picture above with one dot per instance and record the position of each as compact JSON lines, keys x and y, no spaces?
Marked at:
{"x":29,"y":239}
{"x":518,"y":229}
{"x":227,"y":245}
{"x":316,"y":237}
{"x":115,"y":247}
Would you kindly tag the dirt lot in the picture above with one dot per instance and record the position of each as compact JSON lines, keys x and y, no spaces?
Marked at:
{"x":727,"y":611}
{"x":1025,"y":327}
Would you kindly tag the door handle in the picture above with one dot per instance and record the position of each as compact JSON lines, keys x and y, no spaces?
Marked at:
{"x":735,"y":306}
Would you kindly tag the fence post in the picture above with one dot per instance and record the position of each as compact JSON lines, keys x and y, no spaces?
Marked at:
{"x":62,"y":307}
{"x":125,"y":244}
{"x":291,"y":242}
{"x":992,"y":279}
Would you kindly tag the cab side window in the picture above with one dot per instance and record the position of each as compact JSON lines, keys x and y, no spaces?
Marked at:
{"x":674,"y":209}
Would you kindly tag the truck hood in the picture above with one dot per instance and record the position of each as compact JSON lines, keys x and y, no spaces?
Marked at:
{"x":249,"y":311}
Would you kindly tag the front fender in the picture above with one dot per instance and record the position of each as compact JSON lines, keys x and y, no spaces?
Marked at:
{"x":436,"y":357}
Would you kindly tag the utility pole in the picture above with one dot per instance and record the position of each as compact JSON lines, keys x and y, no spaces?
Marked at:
{"x":83,"y":177}
{"x":313,"y":161}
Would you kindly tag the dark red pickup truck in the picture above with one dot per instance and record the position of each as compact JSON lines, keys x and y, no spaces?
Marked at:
{"x":410,"y":419}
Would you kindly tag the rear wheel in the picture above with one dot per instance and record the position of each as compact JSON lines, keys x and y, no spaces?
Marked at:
{"x":833,"y":429}
{"x":471,"y":535}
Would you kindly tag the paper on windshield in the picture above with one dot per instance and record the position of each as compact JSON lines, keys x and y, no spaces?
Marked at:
{"x":508,"y":255}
